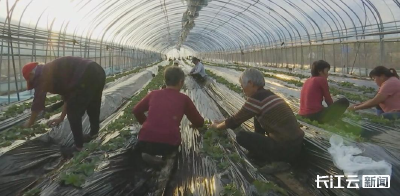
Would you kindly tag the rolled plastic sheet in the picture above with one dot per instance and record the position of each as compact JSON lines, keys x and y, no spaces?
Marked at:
{"x":34,"y":158}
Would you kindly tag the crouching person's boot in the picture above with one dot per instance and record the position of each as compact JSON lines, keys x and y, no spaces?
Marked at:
{"x":152,"y":160}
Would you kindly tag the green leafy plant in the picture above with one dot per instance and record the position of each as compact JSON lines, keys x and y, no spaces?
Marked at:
{"x":346,"y":84}
{"x":17,"y":109}
{"x":221,"y":80}
{"x":340,"y":128}
{"x":75,"y":180}
{"x":84,"y":163}
{"x":231,"y":190}
{"x":298,"y":83}
{"x":265,"y":187}
{"x":20,"y":133}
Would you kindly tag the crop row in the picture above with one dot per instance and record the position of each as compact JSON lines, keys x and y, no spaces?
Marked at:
{"x":17,"y":109}
{"x":299,"y":83}
{"x":341,"y":128}
{"x":81,"y":166}
{"x":20,"y":133}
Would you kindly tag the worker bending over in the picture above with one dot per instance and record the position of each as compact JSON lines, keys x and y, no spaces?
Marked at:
{"x":80,"y":82}
{"x":388,"y":97}
{"x":277,"y":135}
{"x":160,"y":132}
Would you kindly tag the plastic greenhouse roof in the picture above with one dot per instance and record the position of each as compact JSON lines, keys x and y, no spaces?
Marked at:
{"x":201,"y":25}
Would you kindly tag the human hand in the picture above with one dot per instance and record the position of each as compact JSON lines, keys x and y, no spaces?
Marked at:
{"x":54,"y":122}
{"x":352,"y":107}
{"x":218,"y":121}
{"x":214,"y":125}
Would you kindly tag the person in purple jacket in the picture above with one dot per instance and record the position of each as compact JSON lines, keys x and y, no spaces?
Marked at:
{"x":80,"y":83}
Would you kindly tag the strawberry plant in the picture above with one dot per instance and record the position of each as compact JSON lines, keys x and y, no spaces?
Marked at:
{"x":20,"y":133}
{"x":298,"y":83}
{"x":346,"y":84}
{"x":82,"y":165}
{"x":221,"y":80}
{"x":73,"y":179}
{"x":340,"y":128}
{"x":265,"y":187}
{"x":17,"y":109}
{"x":231,"y":190}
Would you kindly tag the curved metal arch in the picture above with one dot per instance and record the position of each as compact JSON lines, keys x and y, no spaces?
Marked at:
{"x":306,"y":16}
{"x":226,"y":31}
{"x":262,"y":29}
{"x":242,"y":23}
{"x":164,"y":27}
{"x":247,"y":20}
{"x":332,"y":16}
{"x":291,"y":24}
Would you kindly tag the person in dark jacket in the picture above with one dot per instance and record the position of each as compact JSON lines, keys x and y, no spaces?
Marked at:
{"x":277,"y":136}
{"x":80,"y":83}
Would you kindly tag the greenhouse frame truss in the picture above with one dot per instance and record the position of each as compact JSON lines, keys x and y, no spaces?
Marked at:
{"x":353,"y":36}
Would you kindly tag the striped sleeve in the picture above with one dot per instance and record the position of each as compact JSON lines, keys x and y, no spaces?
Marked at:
{"x":249,"y":110}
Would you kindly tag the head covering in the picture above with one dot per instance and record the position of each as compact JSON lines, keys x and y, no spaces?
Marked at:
{"x":195,"y":59}
{"x":26,"y":71}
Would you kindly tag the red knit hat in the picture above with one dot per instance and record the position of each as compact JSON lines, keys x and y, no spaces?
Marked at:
{"x":26,"y":71}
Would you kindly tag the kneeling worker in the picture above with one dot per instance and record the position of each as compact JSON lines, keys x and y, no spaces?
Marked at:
{"x":80,"y":82}
{"x":198,"y":72}
{"x":176,"y":63}
{"x":160,"y":133}
{"x":272,"y":117}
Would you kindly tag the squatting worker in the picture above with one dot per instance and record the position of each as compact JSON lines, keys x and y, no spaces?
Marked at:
{"x":176,"y":63}
{"x":80,"y":83}
{"x":277,"y":135}
{"x":198,"y":72}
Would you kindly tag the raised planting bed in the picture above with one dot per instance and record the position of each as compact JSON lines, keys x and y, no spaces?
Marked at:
{"x":17,"y":109}
{"x":299,"y":83}
{"x":55,"y":100}
{"x":41,"y":155}
{"x":74,"y":168}
{"x":112,"y":138}
{"x":341,"y":128}
{"x":218,"y":153}
{"x":316,"y":159}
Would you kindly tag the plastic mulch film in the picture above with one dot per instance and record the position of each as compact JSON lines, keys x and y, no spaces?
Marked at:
{"x":382,"y":135}
{"x":122,"y":172}
{"x":18,"y":119}
{"x":38,"y":156}
{"x":317,"y":161}
{"x":199,"y":174}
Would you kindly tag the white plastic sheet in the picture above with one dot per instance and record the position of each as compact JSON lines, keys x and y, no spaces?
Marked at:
{"x":346,"y":159}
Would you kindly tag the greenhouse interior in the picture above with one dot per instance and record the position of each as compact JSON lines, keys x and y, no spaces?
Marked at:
{"x":199,"y":97}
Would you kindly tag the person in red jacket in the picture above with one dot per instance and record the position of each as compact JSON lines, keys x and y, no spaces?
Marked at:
{"x":160,"y":132}
{"x":314,"y":91}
